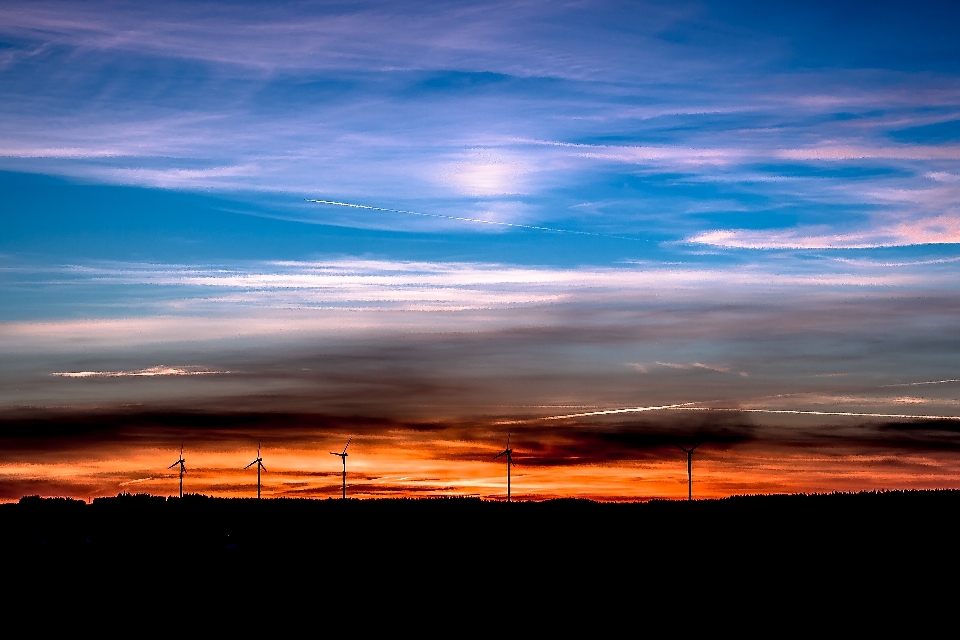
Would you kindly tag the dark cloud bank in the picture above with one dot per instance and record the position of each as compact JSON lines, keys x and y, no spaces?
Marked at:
{"x":50,"y":435}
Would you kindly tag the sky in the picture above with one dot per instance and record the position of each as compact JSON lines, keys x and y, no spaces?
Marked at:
{"x":605,"y":229}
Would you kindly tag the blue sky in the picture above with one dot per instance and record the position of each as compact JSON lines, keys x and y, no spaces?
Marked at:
{"x":826,"y":126}
{"x":767,"y":202}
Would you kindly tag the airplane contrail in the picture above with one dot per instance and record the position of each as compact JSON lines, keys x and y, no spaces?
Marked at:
{"x":476,"y":220}
{"x":917,"y":384}
{"x":123,"y":484}
{"x":686,"y":406}
{"x":827,"y":413}
{"x":604,"y":412}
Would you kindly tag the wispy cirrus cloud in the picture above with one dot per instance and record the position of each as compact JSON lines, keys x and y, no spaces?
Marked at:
{"x":60,"y":152}
{"x":180,"y":177}
{"x":416,"y":285}
{"x":464,"y":110}
{"x":840,"y":152}
{"x":366,"y":35}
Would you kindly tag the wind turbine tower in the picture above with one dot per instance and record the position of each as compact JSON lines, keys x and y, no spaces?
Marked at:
{"x":183,"y":469}
{"x":689,"y":453}
{"x":259,"y":463}
{"x":343,"y":458}
{"x":509,"y":453}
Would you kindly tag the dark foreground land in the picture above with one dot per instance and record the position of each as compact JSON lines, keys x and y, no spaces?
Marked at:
{"x":841,"y":544}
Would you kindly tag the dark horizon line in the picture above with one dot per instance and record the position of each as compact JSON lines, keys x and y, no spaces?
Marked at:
{"x":474,"y":498}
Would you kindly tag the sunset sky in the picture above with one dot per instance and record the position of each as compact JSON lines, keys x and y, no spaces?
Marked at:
{"x":606,"y":228}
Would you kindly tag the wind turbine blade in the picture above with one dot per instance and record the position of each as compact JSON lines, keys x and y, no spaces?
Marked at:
{"x":334,"y":453}
{"x":263,"y":467}
{"x":499,"y":454}
{"x":250,"y":465}
{"x":174,"y":464}
{"x":348,"y":444}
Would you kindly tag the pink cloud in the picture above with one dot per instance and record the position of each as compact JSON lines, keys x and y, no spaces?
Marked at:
{"x":930,"y":230}
{"x":835,"y":152}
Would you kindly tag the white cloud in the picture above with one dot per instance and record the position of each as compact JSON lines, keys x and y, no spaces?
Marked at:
{"x":179,"y":177}
{"x":944,"y":229}
{"x":718,"y":368}
{"x":943,"y":176}
{"x":355,"y":297}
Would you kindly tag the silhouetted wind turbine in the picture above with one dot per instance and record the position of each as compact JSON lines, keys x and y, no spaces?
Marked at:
{"x":509,"y":453}
{"x":689,"y":453}
{"x":183,"y":469}
{"x":259,"y":463}
{"x":343,"y":458}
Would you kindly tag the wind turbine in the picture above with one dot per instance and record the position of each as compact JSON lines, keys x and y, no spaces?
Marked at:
{"x":183,"y":469}
{"x":343,"y":458}
{"x":689,"y":453}
{"x":259,"y":463}
{"x":509,"y":453}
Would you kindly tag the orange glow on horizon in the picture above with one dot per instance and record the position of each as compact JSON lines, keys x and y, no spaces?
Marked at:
{"x":387,"y":466}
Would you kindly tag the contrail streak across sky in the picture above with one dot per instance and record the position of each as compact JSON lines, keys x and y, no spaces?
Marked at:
{"x":917,"y":384}
{"x":475,"y":220}
{"x":686,"y":407}
{"x":823,"y":413}
{"x":604,"y":412}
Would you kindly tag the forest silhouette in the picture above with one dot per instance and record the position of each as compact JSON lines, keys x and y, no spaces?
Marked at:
{"x":867,"y":539}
